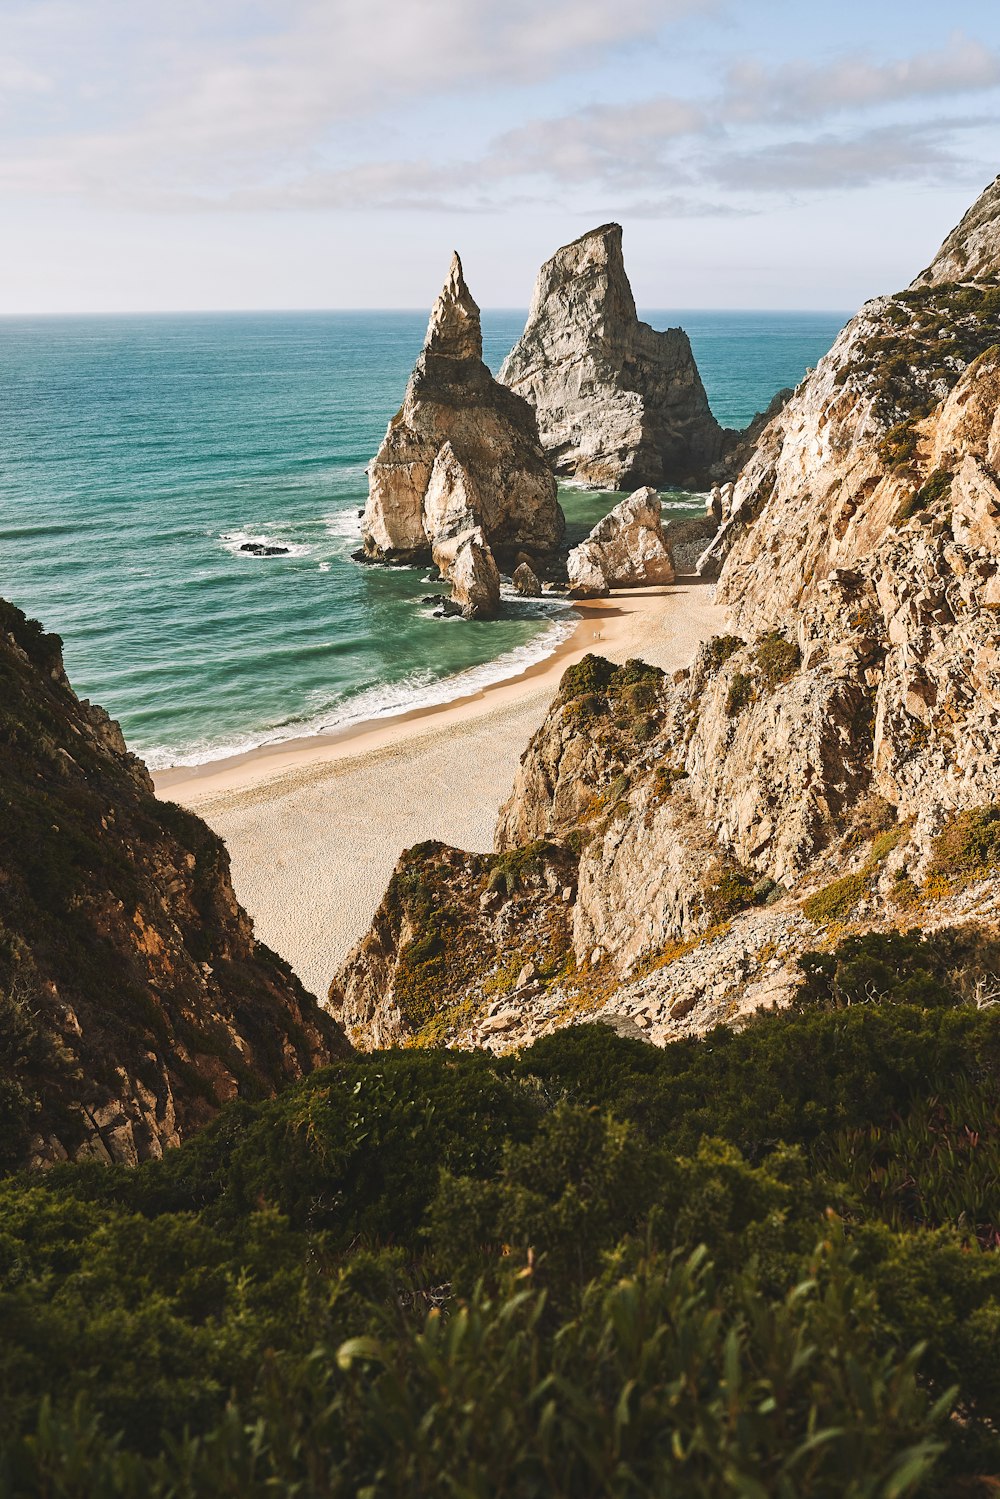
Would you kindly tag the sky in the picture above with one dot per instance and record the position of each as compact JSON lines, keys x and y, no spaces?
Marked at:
{"x":214,"y":154}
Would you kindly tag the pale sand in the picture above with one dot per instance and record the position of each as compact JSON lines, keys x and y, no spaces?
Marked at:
{"x":315,"y":826}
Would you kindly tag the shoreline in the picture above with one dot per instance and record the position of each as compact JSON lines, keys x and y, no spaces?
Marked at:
{"x":314,"y":827}
{"x":594,"y":630}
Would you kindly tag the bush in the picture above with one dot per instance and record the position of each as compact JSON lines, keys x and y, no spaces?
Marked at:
{"x":742,"y":692}
{"x":837,"y":899}
{"x":717,"y":651}
{"x":777,"y":658}
{"x":728,"y":892}
{"x":969,"y":845}
{"x":333,"y":1290}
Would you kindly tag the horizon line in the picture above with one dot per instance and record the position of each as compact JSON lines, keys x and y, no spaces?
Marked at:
{"x":422,"y":311}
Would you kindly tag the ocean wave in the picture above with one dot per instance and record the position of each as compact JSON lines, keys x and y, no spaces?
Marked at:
{"x":344,"y":523}
{"x":389,"y":700}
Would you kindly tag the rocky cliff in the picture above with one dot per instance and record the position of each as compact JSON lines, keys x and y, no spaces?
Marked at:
{"x":135,"y":1000}
{"x":857,"y":451}
{"x":618,"y":404}
{"x":461,"y":454}
{"x":830,"y":763}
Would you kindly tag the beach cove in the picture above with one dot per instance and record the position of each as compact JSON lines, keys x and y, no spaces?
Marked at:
{"x":314,"y":826}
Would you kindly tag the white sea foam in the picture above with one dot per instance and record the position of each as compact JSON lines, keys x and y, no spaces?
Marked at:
{"x":234,"y":541}
{"x":420,"y":690}
{"x":343,"y":523}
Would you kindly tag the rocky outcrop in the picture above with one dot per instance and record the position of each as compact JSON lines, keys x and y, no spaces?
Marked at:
{"x":619,"y":405}
{"x":526,"y":581}
{"x":833,"y":758}
{"x":971,"y":251}
{"x":457,"y":940}
{"x":626,"y":549}
{"x":851,"y":455}
{"x":472,"y":571}
{"x":461,"y":453}
{"x":134,"y":999}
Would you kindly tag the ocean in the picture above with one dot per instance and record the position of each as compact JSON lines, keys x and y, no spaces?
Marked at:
{"x":137,"y":455}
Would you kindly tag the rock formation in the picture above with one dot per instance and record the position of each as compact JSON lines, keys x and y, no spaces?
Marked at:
{"x":619,"y":405}
{"x":853,"y":447}
{"x":472,"y":571}
{"x":461,"y":453}
{"x":134,"y":1000}
{"x":627,"y":549}
{"x":833,"y":758}
{"x":526,"y":581}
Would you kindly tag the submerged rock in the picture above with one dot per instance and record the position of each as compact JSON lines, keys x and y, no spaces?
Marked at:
{"x":462,"y":452}
{"x":627,"y":549}
{"x":618,"y":403}
{"x":263,"y":549}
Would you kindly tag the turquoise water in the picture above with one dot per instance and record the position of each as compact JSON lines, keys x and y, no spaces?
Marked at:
{"x":137,"y":453}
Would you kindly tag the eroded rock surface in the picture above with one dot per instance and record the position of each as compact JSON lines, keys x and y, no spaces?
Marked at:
{"x":619,"y":405}
{"x":474,"y":577}
{"x":868,"y":443}
{"x":462,"y":452}
{"x":626,"y":549}
{"x":134,"y":999}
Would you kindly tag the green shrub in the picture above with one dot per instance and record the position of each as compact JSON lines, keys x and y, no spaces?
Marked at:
{"x":837,"y":899}
{"x":778,"y":659}
{"x":510,"y":870}
{"x":324,"y":1292}
{"x":727,"y":892}
{"x":717,"y":651}
{"x":968,"y":846}
{"x":742,"y":692}
{"x":590,"y":675}
{"x":936,"y":487}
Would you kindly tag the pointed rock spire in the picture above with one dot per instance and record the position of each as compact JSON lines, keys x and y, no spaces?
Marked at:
{"x":454,"y":330}
{"x":618,"y":404}
{"x":461,"y":453}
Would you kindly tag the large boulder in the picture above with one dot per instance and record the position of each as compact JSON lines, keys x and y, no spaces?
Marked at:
{"x":627,"y":549}
{"x":471,"y":568}
{"x":618,"y":403}
{"x":526,"y":581}
{"x":462,"y":452}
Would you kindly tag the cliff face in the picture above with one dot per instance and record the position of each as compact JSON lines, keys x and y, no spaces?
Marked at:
{"x":461,"y":453}
{"x":834,"y":758}
{"x":861,"y":439}
{"x":135,"y":999}
{"x":618,"y":404}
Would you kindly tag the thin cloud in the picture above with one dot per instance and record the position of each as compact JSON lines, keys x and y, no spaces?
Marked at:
{"x":798,"y":91}
{"x":276,"y":105}
{"x":888,"y":154}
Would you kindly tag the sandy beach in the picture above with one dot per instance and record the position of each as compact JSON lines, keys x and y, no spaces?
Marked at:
{"x":315,"y":826}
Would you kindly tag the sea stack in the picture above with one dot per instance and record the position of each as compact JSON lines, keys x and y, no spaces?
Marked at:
{"x":619,"y":405}
{"x":461,"y":456}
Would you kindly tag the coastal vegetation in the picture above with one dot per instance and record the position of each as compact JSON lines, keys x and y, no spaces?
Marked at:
{"x":762,"y":1261}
